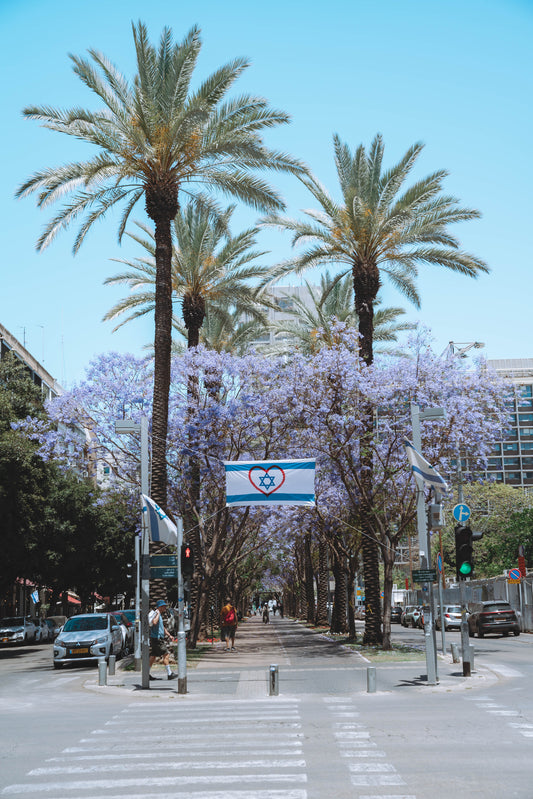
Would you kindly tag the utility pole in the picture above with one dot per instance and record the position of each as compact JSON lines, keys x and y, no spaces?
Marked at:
{"x":424,"y":543}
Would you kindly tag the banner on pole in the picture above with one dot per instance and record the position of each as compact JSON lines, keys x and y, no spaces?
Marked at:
{"x":274,"y":482}
{"x":423,"y":471}
{"x":160,"y":527}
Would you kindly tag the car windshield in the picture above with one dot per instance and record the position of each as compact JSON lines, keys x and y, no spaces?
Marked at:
{"x":15,"y":621}
{"x":130,"y":615}
{"x":76,"y":625}
{"x":453,"y":609}
{"x":497,"y":606}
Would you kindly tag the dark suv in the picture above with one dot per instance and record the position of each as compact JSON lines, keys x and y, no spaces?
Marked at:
{"x":492,"y":617}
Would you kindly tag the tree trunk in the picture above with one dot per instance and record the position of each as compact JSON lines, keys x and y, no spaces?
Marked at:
{"x":323,"y":576}
{"x":309,"y":580}
{"x":162,"y":350}
{"x":388,"y":554}
{"x":338,"y":621}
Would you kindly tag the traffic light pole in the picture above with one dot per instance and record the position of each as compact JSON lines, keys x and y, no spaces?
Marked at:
{"x":182,"y":644}
{"x":424,"y":546}
{"x":465,"y":640}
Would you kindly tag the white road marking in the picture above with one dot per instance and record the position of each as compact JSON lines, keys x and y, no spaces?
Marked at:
{"x":151,"y":782}
{"x":174,"y":765}
{"x":504,"y":712}
{"x":295,"y":793}
{"x":362,"y":780}
{"x":371,"y":767}
{"x":366,"y":796}
{"x":505,"y":671}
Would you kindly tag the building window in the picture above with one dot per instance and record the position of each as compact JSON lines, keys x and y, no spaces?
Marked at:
{"x":285,"y":303}
{"x":497,"y":449}
{"x":527,"y":463}
{"x":526,"y":431}
{"x":510,"y":447}
{"x":525,"y":391}
{"x":512,"y":476}
{"x":498,"y":476}
{"x":527,"y":446}
{"x":511,"y":461}
{"x":495,"y":463}
{"x":525,"y":418}
{"x":510,"y":434}
{"x":107,"y":469}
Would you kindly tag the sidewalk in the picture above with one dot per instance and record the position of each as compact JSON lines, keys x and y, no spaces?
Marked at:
{"x":244,"y":673}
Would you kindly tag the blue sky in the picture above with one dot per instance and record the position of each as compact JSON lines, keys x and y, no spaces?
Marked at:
{"x":455,"y":74}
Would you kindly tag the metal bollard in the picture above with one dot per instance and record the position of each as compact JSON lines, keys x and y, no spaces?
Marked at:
{"x":371,"y":680}
{"x":112,"y":661}
{"x":274,"y":681}
{"x":455,"y":653}
{"x":102,"y":672}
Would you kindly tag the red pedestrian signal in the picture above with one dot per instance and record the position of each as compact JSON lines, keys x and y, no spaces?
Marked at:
{"x":187,"y":560}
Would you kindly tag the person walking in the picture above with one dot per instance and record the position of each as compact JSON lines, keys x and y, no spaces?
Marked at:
{"x":266,"y":615}
{"x":158,"y":634}
{"x":228,"y":625}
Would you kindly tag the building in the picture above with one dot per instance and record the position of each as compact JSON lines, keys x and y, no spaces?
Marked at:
{"x":511,"y":461}
{"x":284,"y":298}
{"x":49,"y":386}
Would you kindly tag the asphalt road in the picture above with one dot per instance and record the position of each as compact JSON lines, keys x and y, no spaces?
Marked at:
{"x":323,"y":736}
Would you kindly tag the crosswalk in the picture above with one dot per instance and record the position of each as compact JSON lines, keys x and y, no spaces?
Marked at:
{"x":232,"y":749}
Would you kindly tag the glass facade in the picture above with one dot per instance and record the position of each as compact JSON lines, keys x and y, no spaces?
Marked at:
{"x":516,"y":444}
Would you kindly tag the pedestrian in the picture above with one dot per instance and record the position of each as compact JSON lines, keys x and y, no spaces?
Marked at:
{"x":228,"y":625}
{"x":266,"y":617}
{"x":158,"y":636}
{"x":280,"y":606}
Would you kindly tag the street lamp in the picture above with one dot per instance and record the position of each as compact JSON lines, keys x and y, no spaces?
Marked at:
{"x":142,"y":555}
{"x":424,"y":542}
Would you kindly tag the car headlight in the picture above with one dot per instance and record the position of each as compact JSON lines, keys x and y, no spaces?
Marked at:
{"x":103,"y":640}
{"x":60,"y":642}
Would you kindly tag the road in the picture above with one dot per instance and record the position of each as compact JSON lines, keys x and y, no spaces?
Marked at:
{"x":323,"y":736}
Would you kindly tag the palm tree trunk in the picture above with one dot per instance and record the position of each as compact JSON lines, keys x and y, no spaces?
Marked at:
{"x":323,"y":574}
{"x":338,"y":621}
{"x":309,"y":580}
{"x":162,"y":350}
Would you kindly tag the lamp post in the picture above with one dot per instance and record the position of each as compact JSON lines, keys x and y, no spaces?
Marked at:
{"x":142,"y":641}
{"x":424,"y":541}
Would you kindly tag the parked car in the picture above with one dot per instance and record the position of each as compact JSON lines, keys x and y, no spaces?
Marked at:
{"x":87,"y":637}
{"x":452,"y":617}
{"x":53,"y":628}
{"x":396,"y":614}
{"x":410,"y":616}
{"x":493,"y":616}
{"x":42,"y":631}
{"x":17,"y":630}
{"x":127,"y":629}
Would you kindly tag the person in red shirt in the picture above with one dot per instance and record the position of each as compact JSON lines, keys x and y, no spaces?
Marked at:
{"x":228,"y":625}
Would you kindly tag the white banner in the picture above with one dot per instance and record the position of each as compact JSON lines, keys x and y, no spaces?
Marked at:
{"x":273,"y":482}
{"x":160,"y":527}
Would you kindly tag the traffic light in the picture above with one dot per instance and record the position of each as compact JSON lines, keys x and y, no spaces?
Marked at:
{"x":187,"y":560}
{"x":464,"y":553}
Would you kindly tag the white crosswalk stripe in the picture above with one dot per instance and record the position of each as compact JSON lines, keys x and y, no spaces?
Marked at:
{"x":181,"y":752}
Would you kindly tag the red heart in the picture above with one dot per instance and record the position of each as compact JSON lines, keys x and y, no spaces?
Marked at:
{"x":266,"y":471}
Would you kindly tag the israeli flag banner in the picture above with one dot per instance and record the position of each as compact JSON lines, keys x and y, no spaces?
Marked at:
{"x":160,"y":527}
{"x":423,"y":471}
{"x":284,"y":482}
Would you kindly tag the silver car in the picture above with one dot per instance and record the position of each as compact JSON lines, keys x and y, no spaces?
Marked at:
{"x":452,"y":617}
{"x":87,"y":637}
{"x":17,"y":630}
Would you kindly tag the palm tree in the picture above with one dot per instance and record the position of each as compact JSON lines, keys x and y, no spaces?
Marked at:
{"x":312,"y":324}
{"x":211,"y":272}
{"x":158,"y":139}
{"x":374,"y":231}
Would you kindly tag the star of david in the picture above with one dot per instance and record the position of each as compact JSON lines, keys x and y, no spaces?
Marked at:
{"x":264,"y":478}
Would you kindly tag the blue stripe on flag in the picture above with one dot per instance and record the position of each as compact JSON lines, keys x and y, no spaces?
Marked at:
{"x":434,"y":479}
{"x":286,"y":466}
{"x":276,"y":496}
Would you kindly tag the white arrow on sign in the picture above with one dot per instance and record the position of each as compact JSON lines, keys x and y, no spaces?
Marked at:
{"x":461,"y":512}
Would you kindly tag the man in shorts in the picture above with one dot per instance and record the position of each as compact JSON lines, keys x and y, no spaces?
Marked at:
{"x":158,"y":634}
{"x":228,"y":625}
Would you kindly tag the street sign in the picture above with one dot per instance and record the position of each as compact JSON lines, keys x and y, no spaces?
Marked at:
{"x":424,"y":575}
{"x":439,"y":563}
{"x":157,"y":561}
{"x":164,"y":573}
{"x":461,"y":512}
{"x":513,"y":576}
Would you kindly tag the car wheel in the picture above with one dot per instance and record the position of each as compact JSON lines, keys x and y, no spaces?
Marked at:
{"x":480,"y":634}
{"x":516,"y":632}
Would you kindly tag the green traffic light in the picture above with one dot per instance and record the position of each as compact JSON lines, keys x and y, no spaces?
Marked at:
{"x":465,"y":568}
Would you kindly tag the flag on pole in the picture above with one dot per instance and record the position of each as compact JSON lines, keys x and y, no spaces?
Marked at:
{"x":283,"y":482}
{"x":423,"y":471}
{"x":160,"y":527}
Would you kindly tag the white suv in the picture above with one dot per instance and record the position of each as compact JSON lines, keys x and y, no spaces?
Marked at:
{"x":87,"y":637}
{"x":17,"y":630}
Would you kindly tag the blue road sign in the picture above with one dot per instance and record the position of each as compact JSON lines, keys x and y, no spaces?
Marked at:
{"x":439,"y":563}
{"x":461,"y":513}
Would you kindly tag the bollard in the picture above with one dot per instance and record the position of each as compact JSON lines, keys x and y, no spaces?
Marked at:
{"x":274,"y":681}
{"x":102,"y":672}
{"x":112,"y":661}
{"x":455,"y":652}
{"x":371,"y":680}
{"x":471,"y":656}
